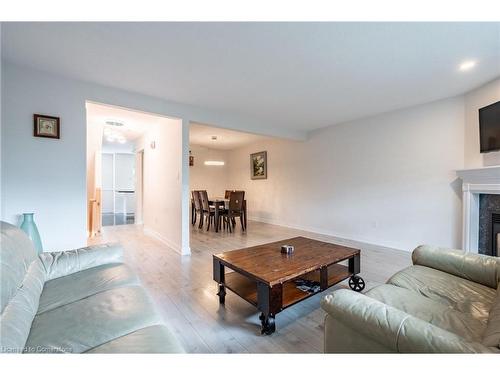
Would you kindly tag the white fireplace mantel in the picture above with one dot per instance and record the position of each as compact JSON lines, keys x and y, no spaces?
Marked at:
{"x":477,"y":181}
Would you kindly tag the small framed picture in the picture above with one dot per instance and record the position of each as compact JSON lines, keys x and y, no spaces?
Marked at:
{"x":46,"y":126}
{"x":258,"y":165}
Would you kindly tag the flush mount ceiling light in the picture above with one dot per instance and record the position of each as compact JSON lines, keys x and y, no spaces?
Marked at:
{"x":112,"y":135}
{"x":467,"y":65}
{"x":214,"y":162}
{"x":114,"y":123}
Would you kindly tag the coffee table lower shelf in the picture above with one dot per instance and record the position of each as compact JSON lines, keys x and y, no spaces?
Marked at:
{"x":246,"y":288}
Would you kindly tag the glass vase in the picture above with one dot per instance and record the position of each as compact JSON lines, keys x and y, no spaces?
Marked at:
{"x":29,"y":227}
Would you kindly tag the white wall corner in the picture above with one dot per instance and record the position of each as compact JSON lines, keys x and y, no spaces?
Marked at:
{"x":152,"y":233}
{"x":185,"y":248}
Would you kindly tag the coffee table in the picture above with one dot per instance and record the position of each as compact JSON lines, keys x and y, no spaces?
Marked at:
{"x":266,"y":278}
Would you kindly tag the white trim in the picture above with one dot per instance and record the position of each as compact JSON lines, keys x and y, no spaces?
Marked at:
{"x":336,"y":237}
{"x":150,"y":232}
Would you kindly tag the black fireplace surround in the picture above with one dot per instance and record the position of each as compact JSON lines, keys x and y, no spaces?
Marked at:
{"x":489,"y":224}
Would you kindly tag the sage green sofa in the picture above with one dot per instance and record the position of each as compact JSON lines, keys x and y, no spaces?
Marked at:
{"x":447,"y":302}
{"x":78,"y":301}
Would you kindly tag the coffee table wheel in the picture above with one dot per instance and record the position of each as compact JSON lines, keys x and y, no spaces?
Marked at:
{"x":268,"y":325}
{"x":222,"y":294}
{"x":356,"y":283}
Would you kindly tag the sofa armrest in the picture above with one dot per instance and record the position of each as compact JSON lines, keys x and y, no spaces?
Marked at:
{"x":393,"y":328}
{"x":63,"y":263}
{"x":479,"y":268}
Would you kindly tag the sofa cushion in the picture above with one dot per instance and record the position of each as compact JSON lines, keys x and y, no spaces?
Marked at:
{"x":16,"y":255}
{"x":18,"y":314}
{"x":64,"y":263}
{"x":87,"y":323}
{"x":492,"y":332}
{"x":460,"y":294}
{"x":153,"y":339}
{"x":436,"y":313}
{"x":21,"y":278}
{"x":71,"y":288}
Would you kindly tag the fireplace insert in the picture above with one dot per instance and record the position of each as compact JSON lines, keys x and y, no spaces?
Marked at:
{"x":495,"y":234}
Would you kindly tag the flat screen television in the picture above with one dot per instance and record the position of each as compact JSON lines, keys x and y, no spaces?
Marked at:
{"x":489,"y":127}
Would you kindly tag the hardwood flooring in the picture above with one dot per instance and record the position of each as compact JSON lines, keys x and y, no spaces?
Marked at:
{"x":185,"y":292}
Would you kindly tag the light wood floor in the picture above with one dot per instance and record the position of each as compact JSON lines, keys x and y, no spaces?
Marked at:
{"x":185,"y":293}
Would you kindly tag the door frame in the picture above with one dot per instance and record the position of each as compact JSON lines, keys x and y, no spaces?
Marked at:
{"x":139,"y":186}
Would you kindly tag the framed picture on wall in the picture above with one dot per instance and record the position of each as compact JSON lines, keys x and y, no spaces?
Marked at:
{"x":46,"y":126}
{"x":258,"y":165}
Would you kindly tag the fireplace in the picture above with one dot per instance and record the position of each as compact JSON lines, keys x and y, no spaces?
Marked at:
{"x":489,"y":224}
{"x":481,"y":210}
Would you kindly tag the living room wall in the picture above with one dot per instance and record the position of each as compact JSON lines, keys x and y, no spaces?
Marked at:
{"x":212,"y":178}
{"x":387,"y":180}
{"x":161,"y":180}
{"x":48,"y":176}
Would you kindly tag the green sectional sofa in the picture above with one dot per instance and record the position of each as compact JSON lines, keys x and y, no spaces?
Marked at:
{"x":78,"y":301}
{"x":447,"y":302}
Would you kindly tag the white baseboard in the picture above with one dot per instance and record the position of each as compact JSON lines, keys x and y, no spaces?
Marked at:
{"x":150,"y":232}
{"x":336,"y":237}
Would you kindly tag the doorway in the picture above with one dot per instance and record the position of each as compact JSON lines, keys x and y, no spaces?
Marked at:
{"x":139,"y":189}
{"x":118,"y":188}
{"x":134,"y":173}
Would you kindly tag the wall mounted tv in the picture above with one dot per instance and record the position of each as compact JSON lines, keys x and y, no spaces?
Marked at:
{"x":489,"y":127}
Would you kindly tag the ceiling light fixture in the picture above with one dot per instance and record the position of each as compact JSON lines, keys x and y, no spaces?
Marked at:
{"x":114,"y":123}
{"x":113,"y":135}
{"x":214,"y":162}
{"x":467,"y":65}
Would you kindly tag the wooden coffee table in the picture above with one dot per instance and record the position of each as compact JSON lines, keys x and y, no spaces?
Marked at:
{"x":266,"y":278}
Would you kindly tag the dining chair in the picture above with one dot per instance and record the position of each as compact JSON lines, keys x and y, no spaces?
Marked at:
{"x":198,"y":209}
{"x":227,"y":194}
{"x":235,"y":209}
{"x":207,"y":210}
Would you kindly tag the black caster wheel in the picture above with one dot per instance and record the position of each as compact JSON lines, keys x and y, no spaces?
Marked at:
{"x":356,"y":283}
{"x":222,"y":294}
{"x":268,"y":325}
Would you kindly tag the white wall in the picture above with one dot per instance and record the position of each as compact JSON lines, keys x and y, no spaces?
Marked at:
{"x":481,"y":97}
{"x":396,"y":190}
{"x":162,"y":184}
{"x":387,"y":180}
{"x":213,"y":179}
{"x":48,"y":176}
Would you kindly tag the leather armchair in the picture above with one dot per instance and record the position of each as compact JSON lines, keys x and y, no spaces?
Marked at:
{"x":447,"y":302}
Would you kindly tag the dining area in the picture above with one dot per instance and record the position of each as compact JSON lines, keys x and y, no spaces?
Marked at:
{"x":219,"y":213}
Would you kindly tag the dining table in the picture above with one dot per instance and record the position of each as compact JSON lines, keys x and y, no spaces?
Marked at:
{"x":218,"y":203}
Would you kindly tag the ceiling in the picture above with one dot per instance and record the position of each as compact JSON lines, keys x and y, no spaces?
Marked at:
{"x":134,"y":123}
{"x":295,"y":76}
{"x":201,"y":135}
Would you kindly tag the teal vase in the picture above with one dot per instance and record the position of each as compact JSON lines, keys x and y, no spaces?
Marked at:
{"x":29,"y":227}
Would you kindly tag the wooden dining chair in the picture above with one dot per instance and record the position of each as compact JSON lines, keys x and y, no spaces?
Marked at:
{"x":198,"y":209}
{"x":234,"y":210}
{"x":227,"y":194}
{"x":208,"y":211}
